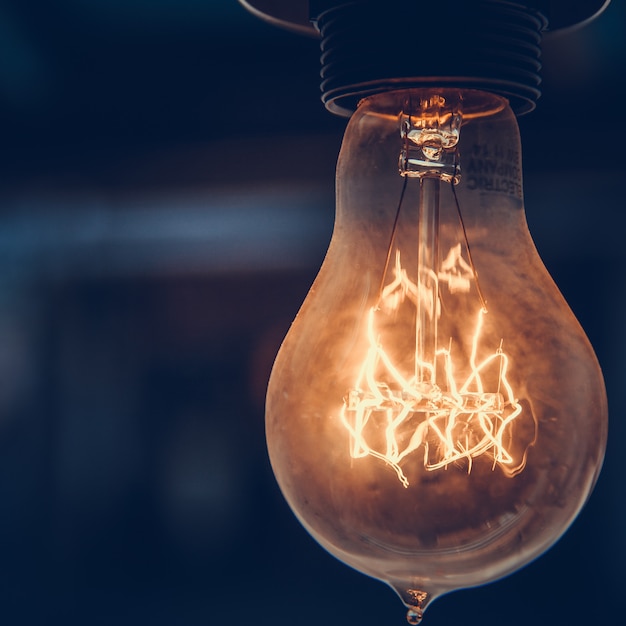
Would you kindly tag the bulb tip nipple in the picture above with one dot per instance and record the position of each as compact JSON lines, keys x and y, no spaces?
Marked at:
{"x":416,"y":601}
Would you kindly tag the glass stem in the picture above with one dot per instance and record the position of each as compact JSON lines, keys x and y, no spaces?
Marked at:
{"x":428,"y":281}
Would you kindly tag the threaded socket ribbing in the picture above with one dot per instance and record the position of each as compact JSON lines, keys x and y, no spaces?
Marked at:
{"x":371,"y":47}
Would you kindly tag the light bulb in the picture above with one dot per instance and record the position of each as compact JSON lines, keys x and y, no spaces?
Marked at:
{"x":436,"y":417}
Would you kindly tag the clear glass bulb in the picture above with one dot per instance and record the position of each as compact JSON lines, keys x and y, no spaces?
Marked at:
{"x":436,"y":417}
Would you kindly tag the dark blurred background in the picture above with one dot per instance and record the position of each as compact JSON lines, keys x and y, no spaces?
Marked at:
{"x":166,"y":198}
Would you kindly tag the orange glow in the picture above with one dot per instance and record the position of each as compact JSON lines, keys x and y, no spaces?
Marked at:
{"x":456,"y":421}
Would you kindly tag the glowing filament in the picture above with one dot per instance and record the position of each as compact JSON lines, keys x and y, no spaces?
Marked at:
{"x":453,"y":421}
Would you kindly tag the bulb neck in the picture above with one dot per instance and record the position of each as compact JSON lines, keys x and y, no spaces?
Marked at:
{"x":370,"y":47}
